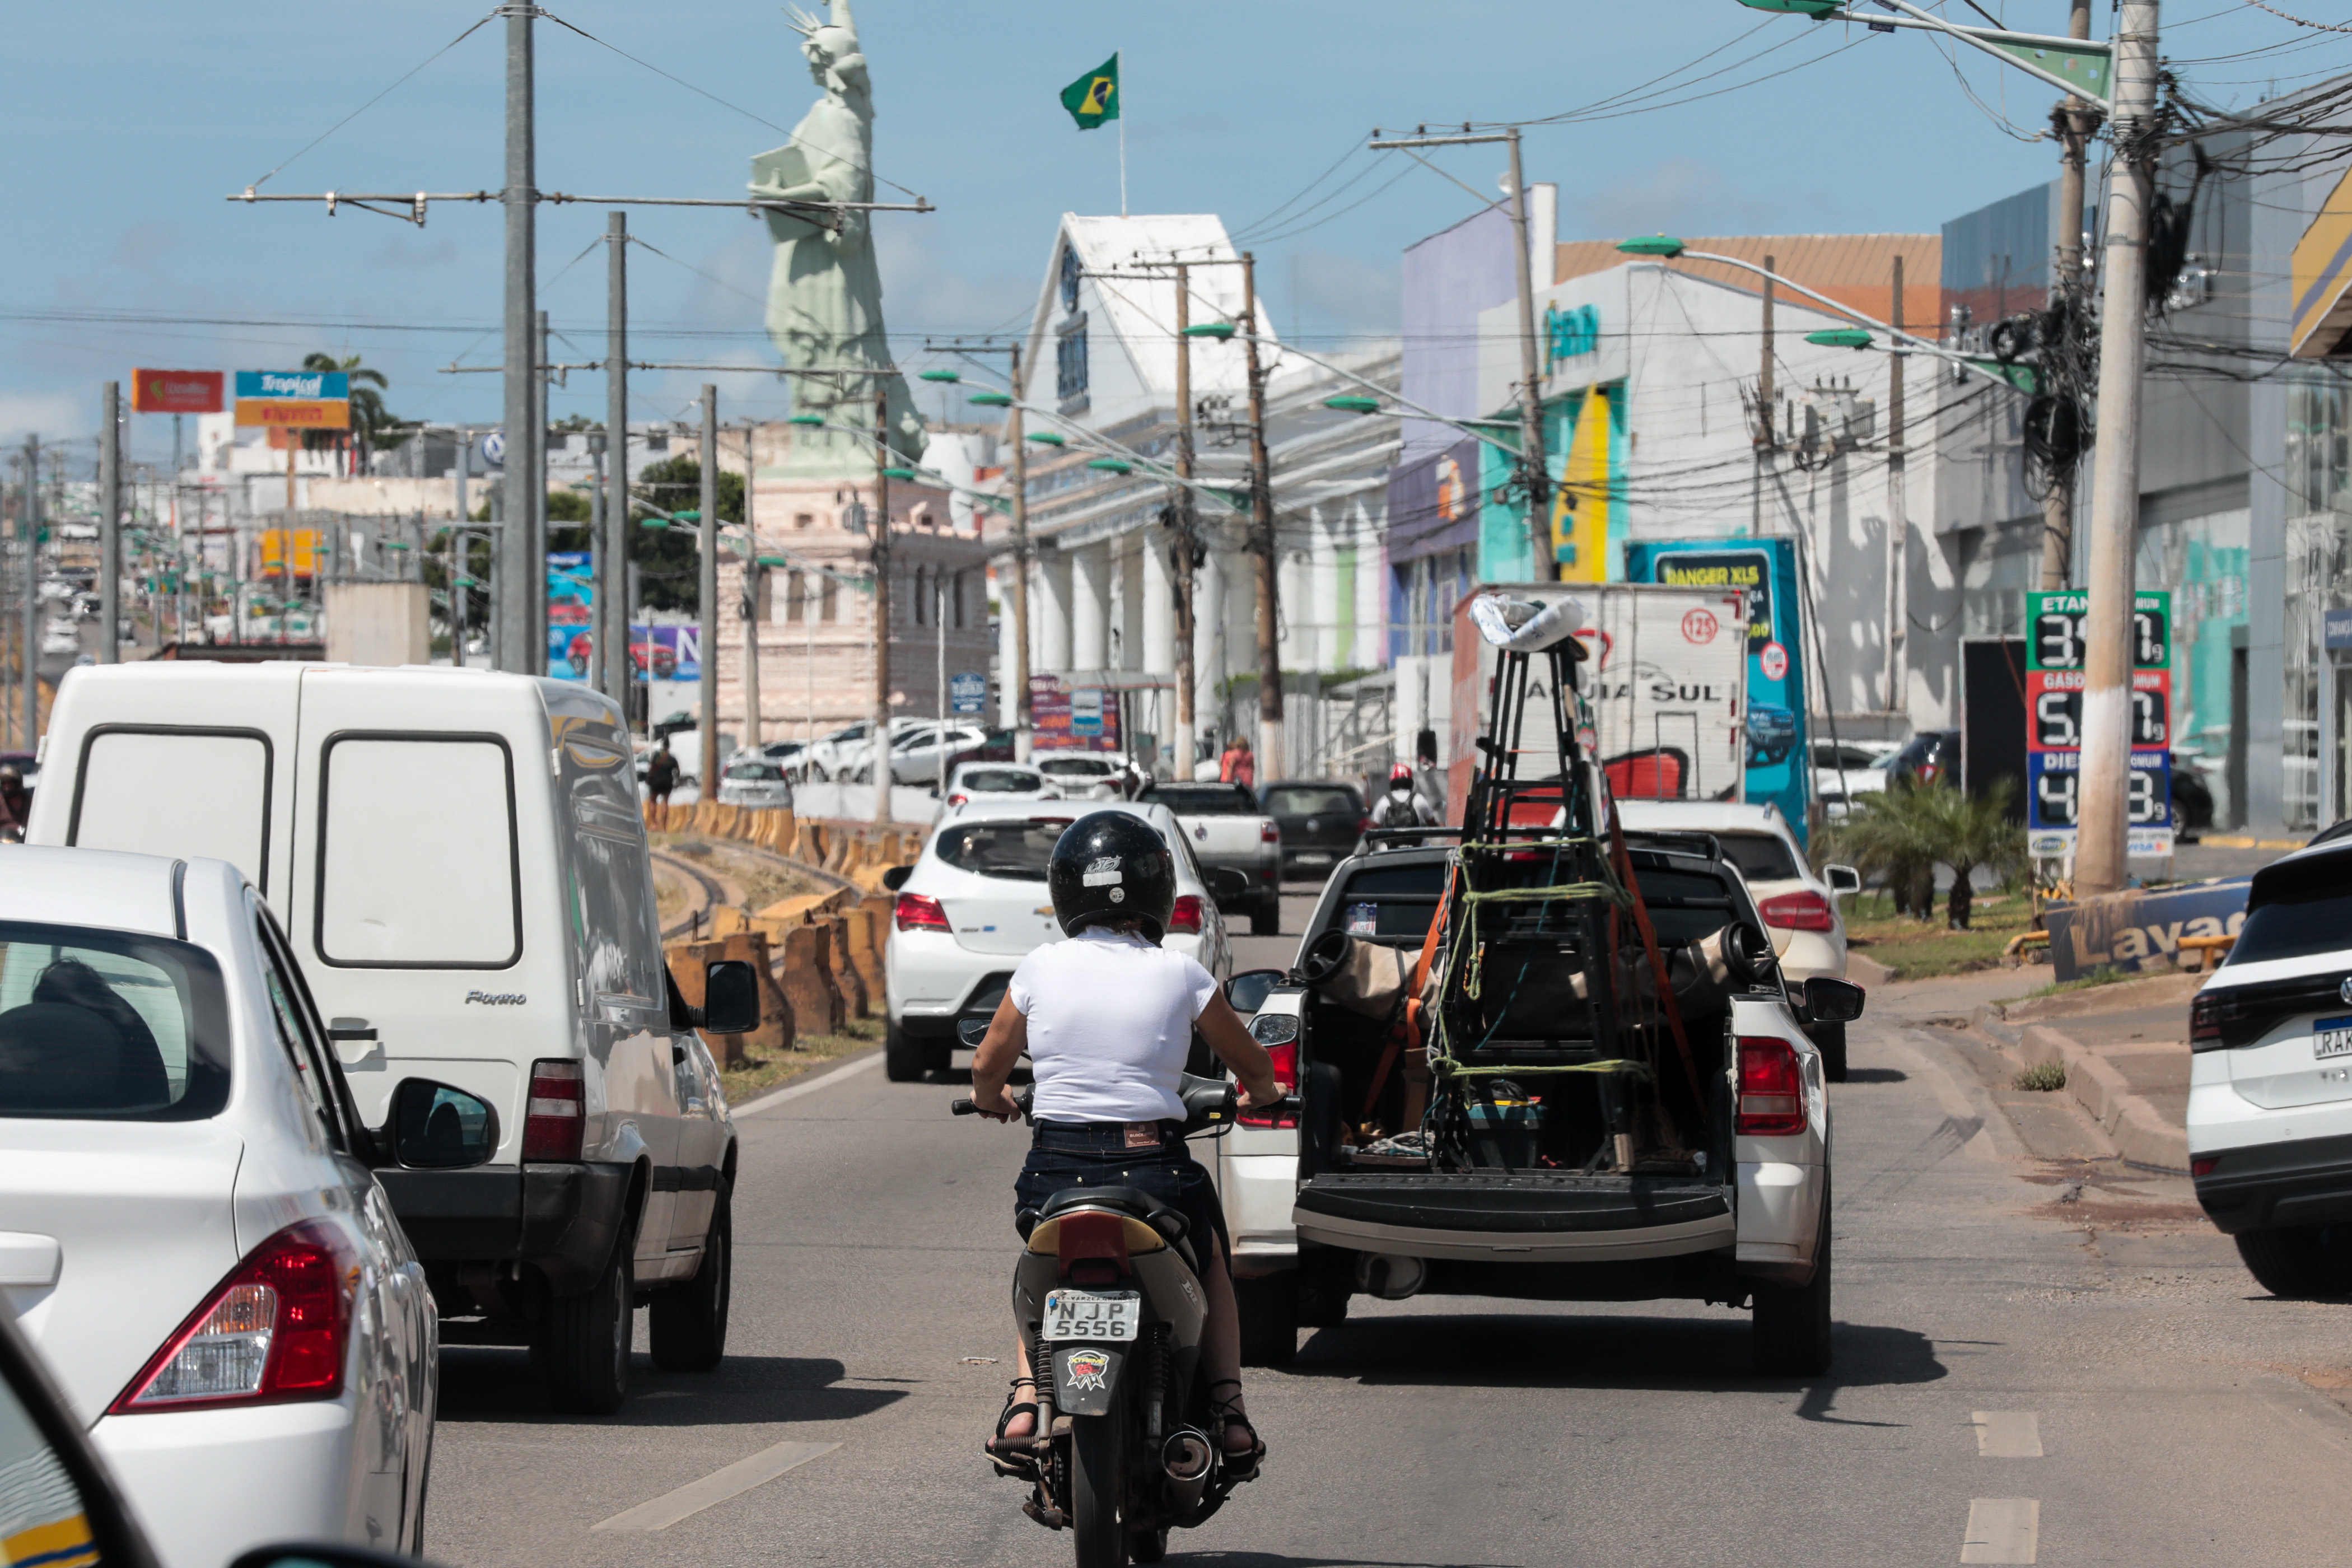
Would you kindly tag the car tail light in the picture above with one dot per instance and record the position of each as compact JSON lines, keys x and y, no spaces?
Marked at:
{"x":274,"y":1331}
{"x":1184,"y":919}
{"x":1927,"y":771}
{"x":1092,"y":1246}
{"x":2205,"y":1021}
{"x":557,"y":1116}
{"x":2204,"y":1164}
{"x":959,"y":798}
{"x":1363,"y":825}
{"x":1267,"y":833}
{"x":1771,"y":1089}
{"x":919,"y":911}
{"x":1807,"y":910}
{"x":1285,"y":1078}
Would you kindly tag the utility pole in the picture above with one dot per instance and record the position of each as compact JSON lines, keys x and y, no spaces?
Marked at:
{"x":880,"y":728}
{"x":600,"y":619}
{"x":2073,"y":122}
{"x":1023,"y":734}
{"x":1184,"y":555}
{"x":752,"y":573}
{"x":109,"y":522}
{"x":1898,"y":526}
{"x":1764,"y":396}
{"x":30,"y":668}
{"x":534,"y":583}
{"x":1269,"y":641}
{"x":461,"y":553}
{"x":706,"y":599}
{"x":2101,"y":814}
{"x":1544,"y":558}
{"x":513,"y":644}
{"x":612,"y":550}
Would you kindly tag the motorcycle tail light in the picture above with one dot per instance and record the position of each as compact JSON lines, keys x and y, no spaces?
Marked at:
{"x":1092,"y":1246}
{"x":1771,"y":1088}
{"x":1185,"y":919}
{"x":1806,"y":910}
{"x":274,"y":1331}
{"x":556,"y":1118}
{"x":919,"y":911}
{"x":1285,"y":1078}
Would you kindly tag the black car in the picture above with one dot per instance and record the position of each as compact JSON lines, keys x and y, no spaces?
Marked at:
{"x":2192,"y":802}
{"x":1320,"y":822}
{"x":1930,"y":755}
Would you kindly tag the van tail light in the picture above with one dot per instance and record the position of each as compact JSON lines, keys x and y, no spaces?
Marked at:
{"x":1285,"y":1078}
{"x":1267,"y":833}
{"x":557,"y":1116}
{"x":919,"y":911}
{"x":1771,"y":1088}
{"x":1184,"y":919}
{"x":1806,"y":910}
{"x":274,"y":1331}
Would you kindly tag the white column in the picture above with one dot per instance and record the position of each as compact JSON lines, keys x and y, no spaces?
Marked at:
{"x":1050,"y":610}
{"x":1089,"y":607}
{"x":1158,"y":603}
{"x":1208,"y":642}
{"x":1008,"y":643}
{"x":1295,"y":600}
{"x":1323,"y":564}
{"x":1118,"y":624}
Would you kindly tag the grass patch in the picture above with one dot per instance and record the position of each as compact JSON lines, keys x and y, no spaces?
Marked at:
{"x":758,"y":1074}
{"x":2100,"y":976}
{"x":2042,"y":1078}
{"x":1916,"y":950}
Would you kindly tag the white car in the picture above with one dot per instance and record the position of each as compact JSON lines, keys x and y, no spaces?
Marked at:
{"x":973,"y":905}
{"x":840,"y":755}
{"x":1085,"y":775}
{"x":193,"y":1235}
{"x":1844,"y":770}
{"x":1800,"y":909}
{"x":916,"y":754}
{"x":995,"y":782}
{"x":755,"y":780}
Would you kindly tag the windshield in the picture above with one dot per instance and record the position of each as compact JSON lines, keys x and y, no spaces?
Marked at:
{"x":1294,"y":800}
{"x":1011,"y":781}
{"x":1202,"y":800}
{"x":1761,"y":856}
{"x":1391,"y":900}
{"x":1016,"y":848}
{"x":105,"y":1026}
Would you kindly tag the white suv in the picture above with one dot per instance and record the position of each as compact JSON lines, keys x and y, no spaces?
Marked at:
{"x":974,"y":903}
{"x":2269,"y":1095}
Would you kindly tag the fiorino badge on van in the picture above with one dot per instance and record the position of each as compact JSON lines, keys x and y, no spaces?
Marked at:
{"x":1102,"y":872}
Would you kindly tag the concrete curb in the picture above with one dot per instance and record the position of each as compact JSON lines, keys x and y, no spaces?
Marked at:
{"x":2141,"y":1136}
{"x":1868,"y":972}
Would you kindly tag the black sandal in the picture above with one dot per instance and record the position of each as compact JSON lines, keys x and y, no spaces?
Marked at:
{"x":1001,"y":1448}
{"x":1239,"y":1464}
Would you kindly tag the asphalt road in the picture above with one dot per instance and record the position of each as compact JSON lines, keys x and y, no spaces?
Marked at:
{"x":2138,"y":1392}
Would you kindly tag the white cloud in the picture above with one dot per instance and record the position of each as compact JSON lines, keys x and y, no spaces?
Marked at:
{"x":50,"y":415}
{"x":1688,"y":195}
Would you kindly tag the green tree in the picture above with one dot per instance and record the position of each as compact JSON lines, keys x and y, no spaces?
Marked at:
{"x":374,"y":427}
{"x":668,"y":563}
{"x":1903,"y":835}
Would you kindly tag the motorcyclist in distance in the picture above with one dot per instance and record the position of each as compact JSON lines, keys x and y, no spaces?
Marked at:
{"x":1106,"y":1020}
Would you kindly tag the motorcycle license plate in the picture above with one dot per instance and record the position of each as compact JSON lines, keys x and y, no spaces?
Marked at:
{"x":1093,"y":1314}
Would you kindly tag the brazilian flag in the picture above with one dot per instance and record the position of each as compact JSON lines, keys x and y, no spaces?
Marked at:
{"x":1094,"y":97}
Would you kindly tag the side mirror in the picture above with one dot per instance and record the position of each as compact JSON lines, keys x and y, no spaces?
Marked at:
{"x":1842,"y":880}
{"x":896,"y":877}
{"x":1829,"y":1001}
{"x":1747,"y":953}
{"x":1228,"y":883}
{"x":731,"y":997}
{"x":436,"y":1128}
{"x":972,"y":1031}
{"x":1247,"y":990}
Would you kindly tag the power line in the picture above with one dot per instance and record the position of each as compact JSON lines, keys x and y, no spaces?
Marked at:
{"x":379,"y":97}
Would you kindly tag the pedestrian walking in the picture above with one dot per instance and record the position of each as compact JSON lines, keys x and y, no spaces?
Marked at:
{"x":1237,"y":766}
{"x":661,"y":777}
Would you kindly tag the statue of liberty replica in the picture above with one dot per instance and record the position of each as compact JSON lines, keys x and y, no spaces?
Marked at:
{"x":825,"y":295}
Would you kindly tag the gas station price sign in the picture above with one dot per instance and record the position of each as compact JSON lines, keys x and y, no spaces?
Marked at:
{"x":2056,"y":639}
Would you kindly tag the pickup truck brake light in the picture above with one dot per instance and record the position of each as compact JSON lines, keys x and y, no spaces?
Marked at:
{"x":555,"y":1120}
{"x":1285,"y":1078}
{"x":1267,"y":833}
{"x":1771,"y":1088}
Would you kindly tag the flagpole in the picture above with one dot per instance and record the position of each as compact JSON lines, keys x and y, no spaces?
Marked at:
{"x":1118,"y":71}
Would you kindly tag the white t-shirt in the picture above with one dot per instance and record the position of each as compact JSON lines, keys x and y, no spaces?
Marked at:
{"x":1110,"y":1023}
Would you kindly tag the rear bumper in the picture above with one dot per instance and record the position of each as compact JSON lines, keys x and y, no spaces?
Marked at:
{"x":210,"y":1484}
{"x":1530,"y":1218}
{"x":561,"y":1218}
{"x":2271,"y":1186}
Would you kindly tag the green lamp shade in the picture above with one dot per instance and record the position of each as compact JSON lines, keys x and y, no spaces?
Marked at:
{"x":654,"y":524}
{"x":941,"y":375}
{"x":1111,"y":465}
{"x":695,"y":516}
{"x":394,"y":543}
{"x":773,"y":561}
{"x":1663,"y":245}
{"x":467,"y":583}
{"x":898,"y":473}
{"x":1221,"y":331}
{"x":1353,"y":404}
{"x":1839,"y":338}
{"x":806,"y":421}
{"x":1048,"y":437}
{"x":993,"y":399}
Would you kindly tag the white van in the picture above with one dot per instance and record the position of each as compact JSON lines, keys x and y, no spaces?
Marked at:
{"x":458,"y":859}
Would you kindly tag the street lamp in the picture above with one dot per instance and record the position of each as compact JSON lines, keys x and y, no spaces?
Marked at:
{"x":1221,"y":331}
{"x":1111,"y":465}
{"x":1351,"y":404}
{"x":990,"y":399}
{"x":946,"y":375}
{"x":1839,"y":338}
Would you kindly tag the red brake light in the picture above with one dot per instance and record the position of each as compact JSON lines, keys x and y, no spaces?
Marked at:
{"x":919,"y":911}
{"x":2204,"y":1164}
{"x":1185,"y":919}
{"x":1806,"y":910}
{"x":557,"y":1115}
{"x":1927,"y":771}
{"x":1092,"y":1245}
{"x":2204,"y":1020}
{"x":1285,"y":1078}
{"x":1771,"y":1088}
{"x":1363,"y":825}
{"x":1267,"y":833}
{"x":959,"y":798}
{"x":276,"y":1330}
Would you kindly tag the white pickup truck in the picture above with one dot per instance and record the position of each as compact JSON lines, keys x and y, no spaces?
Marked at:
{"x":1228,"y":832}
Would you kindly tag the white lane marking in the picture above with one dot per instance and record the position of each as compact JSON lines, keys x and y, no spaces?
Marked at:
{"x":733,"y":1481}
{"x":2008,"y":1434}
{"x":793,"y":1092}
{"x":2002,"y":1530}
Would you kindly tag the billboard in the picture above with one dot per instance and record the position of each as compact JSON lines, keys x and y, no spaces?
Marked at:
{"x":1084,"y":718}
{"x":2056,"y":627}
{"x":655,"y":653}
{"x":300,"y":399}
{"x":276,"y":544}
{"x":176,"y":391}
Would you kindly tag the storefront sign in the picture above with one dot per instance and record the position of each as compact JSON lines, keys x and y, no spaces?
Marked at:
{"x":967,"y":693}
{"x":1055,"y":714}
{"x":176,"y":391}
{"x":1570,"y":333}
{"x":303,"y":399}
{"x":2136,"y":930}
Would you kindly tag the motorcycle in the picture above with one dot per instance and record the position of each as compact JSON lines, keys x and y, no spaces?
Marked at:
{"x":1108,"y":1295}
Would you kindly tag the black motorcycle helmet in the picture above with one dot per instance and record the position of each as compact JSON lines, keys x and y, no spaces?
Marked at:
{"x":1112,"y":866}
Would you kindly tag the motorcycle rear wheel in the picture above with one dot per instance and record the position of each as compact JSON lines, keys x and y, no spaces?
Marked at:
{"x":1097,"y":1485}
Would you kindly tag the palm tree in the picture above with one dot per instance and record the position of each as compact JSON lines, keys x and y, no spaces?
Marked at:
{"x":374,"y":427}
{"x":1904,"y":834}
{"x":1978,"y":832}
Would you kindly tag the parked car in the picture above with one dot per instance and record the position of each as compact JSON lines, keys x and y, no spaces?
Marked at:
{"x":61,"y":636}
{"x":461,"y":863}
{"x":199,"y":1245}
{"x":1087,"y":775}
{"x":2192,"y":797}
{"x":995,"y":782}
{"x":782,"y":750}
{"x":1314,"y":1220}
{"x":755,"y":780}
{"x":974,"y":903}
{"x":1319,"y":821}
{"x":918,"y":753}
{"x":1926,"y":757}
{"x":1843,"y":771}
{"x":1228,"y":829}
{"x":1798,"y":909}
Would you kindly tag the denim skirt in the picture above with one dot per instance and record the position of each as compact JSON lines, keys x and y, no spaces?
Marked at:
{"x":1065,"y":1154}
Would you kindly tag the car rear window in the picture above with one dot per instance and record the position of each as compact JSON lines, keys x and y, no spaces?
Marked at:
{"x":1761,"y":856}
{"x":1075,"y":766}
{"x":1293,"y":800}
{"x":1000,"y":781}
{"x":754,"y":771}
{"x":1685,"y":906}
{"x":107,"y":1026}
{"x":2298,"y":911}
{"x":1392,"y":901}
{"x":1016,"y":847}
{"x":1207,"y":800}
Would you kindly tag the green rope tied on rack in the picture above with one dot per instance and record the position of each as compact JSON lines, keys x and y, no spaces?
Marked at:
{"x":1472,"y":900}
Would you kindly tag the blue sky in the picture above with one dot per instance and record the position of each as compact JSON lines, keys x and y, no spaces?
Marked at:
{"x":131,"y":123}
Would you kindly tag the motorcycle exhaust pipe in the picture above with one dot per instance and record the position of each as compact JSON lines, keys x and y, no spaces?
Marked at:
{"x":1185,"y":1456}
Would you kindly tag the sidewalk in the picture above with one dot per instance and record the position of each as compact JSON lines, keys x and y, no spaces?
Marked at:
{"x":2124,"y":1049}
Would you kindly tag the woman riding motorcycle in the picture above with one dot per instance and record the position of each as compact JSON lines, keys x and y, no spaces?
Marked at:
{"x":1107,"y":1019}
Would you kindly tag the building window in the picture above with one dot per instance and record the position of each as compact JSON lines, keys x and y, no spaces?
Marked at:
{"x":829,"y":606}
{"x":955,"y":598}
{"x":765,"y":609}
{"x":922,"y":599}
{"x":1070,"y":273}
{"x":793,"y":587}
{"x":803,"y":520}
{"x":1070,"y":364}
